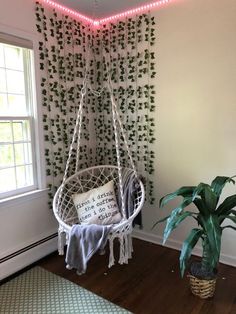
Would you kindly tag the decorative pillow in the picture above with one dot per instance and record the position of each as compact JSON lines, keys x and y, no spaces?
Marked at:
{"x":97,"y":206}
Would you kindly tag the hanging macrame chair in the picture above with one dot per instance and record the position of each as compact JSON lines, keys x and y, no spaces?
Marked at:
{"x":84,"y":180}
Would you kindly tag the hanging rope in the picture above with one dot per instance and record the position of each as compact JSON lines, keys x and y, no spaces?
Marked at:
{"x":117,"y":124}
{"x":77,"y":130}
{"x":117,"y":152}
{"x":96,"y":176}
{"x":122,"y":130}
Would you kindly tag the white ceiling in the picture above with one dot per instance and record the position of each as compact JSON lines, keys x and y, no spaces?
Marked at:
{"x":102,"y":8}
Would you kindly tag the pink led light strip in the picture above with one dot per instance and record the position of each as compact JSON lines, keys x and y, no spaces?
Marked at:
{"x":132,"y":11}
{"x":106,"y":19}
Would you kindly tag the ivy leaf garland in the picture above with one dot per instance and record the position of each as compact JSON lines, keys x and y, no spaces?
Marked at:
{"x":127,"y":53}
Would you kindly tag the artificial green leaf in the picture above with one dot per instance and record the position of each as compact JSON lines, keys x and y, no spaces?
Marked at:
{"x":210,"y":199}
{"x":199,"y":203}
{"x":228,"y":204}
{"x":161,"y":220}
{"x":232,"y":212}
{"x":213,"y":232}
{"x":173,"y":222}
{"x":198,"y":189}
{"x":205,"y":198}
{"x":184,"y":191}
{"x":187,"y":248}
{"x":208,"y":196}
{"x":223,"y":217}
{"x":176,"y":217}
{"x":219,"y":182}
{"x":229,"y":226}
{"x":232,"y":218}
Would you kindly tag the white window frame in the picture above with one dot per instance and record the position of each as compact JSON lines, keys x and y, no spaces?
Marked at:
{"x":30,"y":96}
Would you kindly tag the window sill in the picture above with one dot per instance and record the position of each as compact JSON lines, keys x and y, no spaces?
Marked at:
{"x":22,"y":198}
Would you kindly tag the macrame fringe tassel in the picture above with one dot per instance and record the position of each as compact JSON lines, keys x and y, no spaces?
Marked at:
{"x":60,"y":242}
{"x":111,"y":257}
{"x":122,"y":250}
{"x":130,"y":246}
{"x":126,"y":249}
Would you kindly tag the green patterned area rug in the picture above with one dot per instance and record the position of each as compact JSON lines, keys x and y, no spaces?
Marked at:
{"x":39,"y":291}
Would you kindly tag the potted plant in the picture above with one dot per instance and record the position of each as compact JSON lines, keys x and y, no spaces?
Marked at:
{"x":209,"y":216}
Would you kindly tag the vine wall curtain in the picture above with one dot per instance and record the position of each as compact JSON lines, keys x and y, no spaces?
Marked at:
{"x":123,"y":48}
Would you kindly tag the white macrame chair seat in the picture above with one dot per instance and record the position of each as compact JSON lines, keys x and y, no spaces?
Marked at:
{"x":81,"y":182}
{"x":93,"y":177}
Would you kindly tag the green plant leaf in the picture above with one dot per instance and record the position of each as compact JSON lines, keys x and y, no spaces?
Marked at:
{"x":161,"y":220}
{"x":229,"y":226}
{"x":232,"y":212}
{"x":184,"y":191}
{"x":228,"y":204}
{"x":213,"y":232}
{"x":232,"y":218}
{"x":207,"y":195}
{"x":199,"y":203}
{"x":219,"y":182}
{"x":176,"y":217}
{"x":223,"y":217}
{"x":187,"y":248}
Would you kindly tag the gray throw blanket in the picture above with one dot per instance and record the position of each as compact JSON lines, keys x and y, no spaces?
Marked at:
{"x":84,"y":242}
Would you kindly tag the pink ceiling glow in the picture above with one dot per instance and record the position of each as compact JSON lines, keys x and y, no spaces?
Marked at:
{"x":98,"y":22}
{"x":68,"y":11}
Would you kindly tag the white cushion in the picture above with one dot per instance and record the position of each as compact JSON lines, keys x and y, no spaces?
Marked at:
{"x":97,"y":206}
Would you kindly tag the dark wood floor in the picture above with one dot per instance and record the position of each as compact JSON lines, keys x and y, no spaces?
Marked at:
{"x":150,"y":283}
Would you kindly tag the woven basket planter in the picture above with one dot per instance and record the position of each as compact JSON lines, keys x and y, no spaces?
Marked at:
{"x":201,"y":287}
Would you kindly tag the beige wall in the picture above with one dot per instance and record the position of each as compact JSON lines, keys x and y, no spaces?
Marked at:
{"x":196,"y":103}
{"x":18,"y":14}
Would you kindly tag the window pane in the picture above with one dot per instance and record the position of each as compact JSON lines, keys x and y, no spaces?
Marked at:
{"x":6,"y":156}
{"x":19,"y":154}
{"x":16,"y":159}
{"x":21,"y":130}
{"x":29,"y":174}
{"x":1,"y":56}
{"x":7,"y":180}
{"x":3,"y":104}
{"x":17,"y":104}
{"x":18,"y":131}
{"x":15,"y":82}
{"x":22,"y":154}
{"x":2,"y":80}
{"x":5,"y":131}
{"x":13,"y":57}
{"x":26,"y":130}
{"x":24,"y":176}
{"x":28,"y":153}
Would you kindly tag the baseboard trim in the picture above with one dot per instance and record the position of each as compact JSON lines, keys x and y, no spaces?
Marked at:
{"x":27,"y":255}
{"x":27,"y":248}
{"x":176,"y":245}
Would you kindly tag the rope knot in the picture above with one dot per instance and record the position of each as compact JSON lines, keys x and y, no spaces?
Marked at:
{"x":83,"y":91}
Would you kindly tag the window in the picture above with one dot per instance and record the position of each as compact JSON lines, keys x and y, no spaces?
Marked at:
{"x":17,"y":157}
